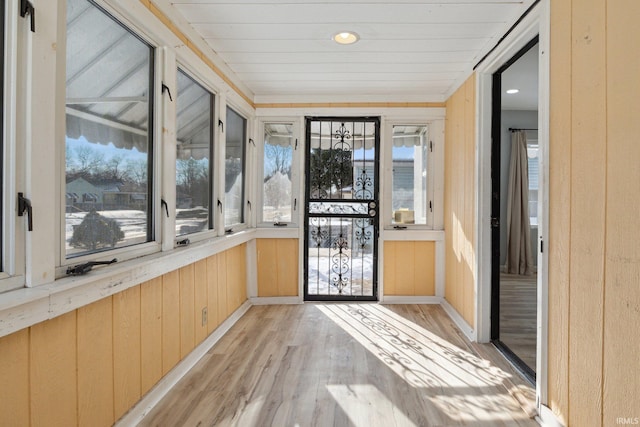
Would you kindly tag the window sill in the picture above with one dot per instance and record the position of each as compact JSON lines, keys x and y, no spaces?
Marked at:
{"x":25,"y":307}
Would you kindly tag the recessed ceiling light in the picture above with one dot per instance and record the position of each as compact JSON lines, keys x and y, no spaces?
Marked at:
{"x":346,"y":37}
{"x":512,"y":91}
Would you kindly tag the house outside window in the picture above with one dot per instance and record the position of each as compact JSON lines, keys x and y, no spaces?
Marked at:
{"x":409,"y":156}
{"x":278,"y":197}
{"x":194,"y":165}
{"x":234,"y":185}
{"x":108,"y":150}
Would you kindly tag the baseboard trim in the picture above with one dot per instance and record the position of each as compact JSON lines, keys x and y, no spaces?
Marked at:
{"x":275,"y":300}
{"x":547,"y":418}
{"x":411,"y":300}
{"x":458,"y":320}
{"x":137,"y":413}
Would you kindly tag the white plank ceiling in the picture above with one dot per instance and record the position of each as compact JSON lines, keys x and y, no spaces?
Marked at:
{"x":409,"y":50}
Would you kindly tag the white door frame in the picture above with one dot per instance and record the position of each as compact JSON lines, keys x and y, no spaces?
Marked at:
{"x":535,"y":23}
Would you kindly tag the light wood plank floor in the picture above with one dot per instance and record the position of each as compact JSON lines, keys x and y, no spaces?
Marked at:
{"x":518,"y":316}
{"x":355,"y":365}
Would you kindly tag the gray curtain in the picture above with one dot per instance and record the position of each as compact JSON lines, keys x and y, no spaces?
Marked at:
{"x":519,"y":252}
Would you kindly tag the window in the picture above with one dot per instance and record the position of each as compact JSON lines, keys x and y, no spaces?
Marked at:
{"x":234,"y":168}
{"x":108,"y":152}
{"x":277,"y":190}
{"x":195,"y":107}
{"x":409,"y":157}
{"x":533,"y":166}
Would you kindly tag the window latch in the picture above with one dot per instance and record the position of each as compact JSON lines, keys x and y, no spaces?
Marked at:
{"x":220,"y":205}
{"x":221,"y":125}
{"x":24,"y":205}
{"x":183,"y":242}
{"x":400,"y":227}
{"x":166,"y":88}
{"x":249,"y":204}
{"x":82,"y":269}
{"x":26,"y":8}
{"x":280,"y":224}
{"x":252,"y":142}
{"x":166,"y":206}
{"x":229,"y":231}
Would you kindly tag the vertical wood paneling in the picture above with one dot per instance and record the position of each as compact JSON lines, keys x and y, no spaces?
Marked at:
{"x":405,"y":274}
{"x":287,"y":267}
{"x":588,"y":178}
{"x":277,"y":267}
{"x":170,"y":320}
{"x":469,"y":201}
{"x":151,"y":350}
{"x":389,"y":264}
{"x":236,"y":277}
{"x":187,"y":298}
{"x":448,"y":223}
{"x":95,"y":364}
{"x":201,"y":300}
{"x":559,"y":203}
{"x":266,"y":255}
{"x":222,"y":287}
{"x":242,"y":289}
{"x":126,"y":350}
{"x":212,"y":292}
{"x":14,"y":375}
{"x":425,"y":268}
{"x":621,"y":394}
{"x":559,"y":246}
{"x":460,"y":200}
{"x":409,"y":268}
{"x":52,"y":373}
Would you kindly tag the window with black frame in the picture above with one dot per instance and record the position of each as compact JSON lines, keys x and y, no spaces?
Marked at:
{"x":234,"y":163}
{"x":108,"y":150}
{"x":194,"y":118}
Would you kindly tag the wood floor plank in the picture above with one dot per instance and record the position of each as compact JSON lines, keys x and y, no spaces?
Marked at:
{"x":344,"y":365}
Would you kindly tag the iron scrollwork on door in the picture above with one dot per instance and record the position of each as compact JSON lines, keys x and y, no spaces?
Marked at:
{"x":341,"y":209}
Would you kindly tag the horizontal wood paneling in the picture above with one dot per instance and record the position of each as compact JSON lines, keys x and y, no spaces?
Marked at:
{"x":90,"y":366}
{"x":409,"y":268}
{"x":460,"y":201}
{"x":277,"y":261}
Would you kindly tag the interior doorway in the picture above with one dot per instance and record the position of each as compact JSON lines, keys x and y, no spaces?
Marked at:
{"x":341,"y":209}
{"x":515,"y":163}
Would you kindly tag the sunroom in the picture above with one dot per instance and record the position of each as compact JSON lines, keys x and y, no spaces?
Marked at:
{"x":319,"y":213}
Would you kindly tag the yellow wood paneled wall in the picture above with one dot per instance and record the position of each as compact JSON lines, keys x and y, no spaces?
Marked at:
{"x":459,"y":214}
{"x":89,"y":366}
{"x":409,"y":268}
{"x":594,"y":255}
{"x":277,"y":267}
